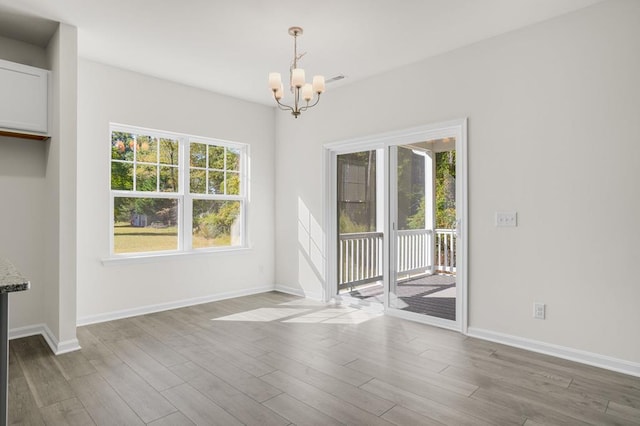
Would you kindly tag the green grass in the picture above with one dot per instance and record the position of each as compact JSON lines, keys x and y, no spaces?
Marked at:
{"x":129,"y":239}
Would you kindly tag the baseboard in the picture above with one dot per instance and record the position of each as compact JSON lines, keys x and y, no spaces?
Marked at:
{"x":577,"y":355}
{"x":57,"y":348}
{"x":299,"y":292}
{"x":149,"y":309}
{"x":30,"y":330}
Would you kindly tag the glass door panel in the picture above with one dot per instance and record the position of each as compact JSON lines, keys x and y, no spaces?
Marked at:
{"x":423,"y":225}
{"x":360,"y":220}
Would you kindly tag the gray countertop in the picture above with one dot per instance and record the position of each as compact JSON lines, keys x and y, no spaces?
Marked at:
{"x":10,"y":279}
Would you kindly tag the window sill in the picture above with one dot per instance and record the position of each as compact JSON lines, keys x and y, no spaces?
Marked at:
{"x":158,"y":257}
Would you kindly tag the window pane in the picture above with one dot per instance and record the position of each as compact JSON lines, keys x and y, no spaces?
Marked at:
{"x":198,"y":154}
{"x":146,"y":178}
{"x":233,"y":159}
{"x":233,"y":183}
{"x":198,"y":179}
{"x":168,"y":179}
{"x":216,"y":223}
{"x":216,"y":157}
{"x":144,"y":224}
{"x":169,"y":151}
{"x":216,"y":182}
{"x":122,"y":146}
{"x":147,"y":149}
{"x":121,"y":176}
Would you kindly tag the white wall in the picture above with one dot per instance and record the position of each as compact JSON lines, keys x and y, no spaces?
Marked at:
{"x":108,"y":94}
{"x":23,"y":53}
{"x":553,"y":134}
{"x":22,"y":184}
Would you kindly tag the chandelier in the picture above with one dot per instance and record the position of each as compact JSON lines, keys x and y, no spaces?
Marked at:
{"x":301,"y":90}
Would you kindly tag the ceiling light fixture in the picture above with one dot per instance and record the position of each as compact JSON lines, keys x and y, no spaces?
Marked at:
{"x":298,"y":87}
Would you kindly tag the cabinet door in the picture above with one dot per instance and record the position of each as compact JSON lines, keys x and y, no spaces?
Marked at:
{"x":23,"y":104}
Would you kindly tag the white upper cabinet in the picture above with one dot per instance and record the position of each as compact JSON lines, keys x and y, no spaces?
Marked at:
{"x":23,"y":98}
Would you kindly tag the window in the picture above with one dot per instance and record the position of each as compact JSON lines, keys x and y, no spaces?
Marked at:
{"x":175,"y":193}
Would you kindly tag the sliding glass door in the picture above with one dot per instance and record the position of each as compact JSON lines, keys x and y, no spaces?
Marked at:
{"x":398,"y":205}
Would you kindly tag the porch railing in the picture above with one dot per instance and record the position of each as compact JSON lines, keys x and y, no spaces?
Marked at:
{"x":360,"y":260}
{"x":446,"y":245}
{"x":414,"y":251}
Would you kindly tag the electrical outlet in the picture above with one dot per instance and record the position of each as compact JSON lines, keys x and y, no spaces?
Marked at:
{"x":539,"y":310}
{"x":506,"y":219}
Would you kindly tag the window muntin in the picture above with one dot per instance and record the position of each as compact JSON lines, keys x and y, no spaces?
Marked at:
{"x":160,"y":202}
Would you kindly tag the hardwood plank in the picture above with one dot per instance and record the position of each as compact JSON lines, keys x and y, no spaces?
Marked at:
{"x":298,"y":412}
{"x":250,"y":385}
{"x":42,"y":373}
{"x":572,"y":404}
{"x":619,"y":393}
{"x":290,"y":347}
{"x":92,"y":347}
{"x":148,"y":368}
{"x":319,"y":362}
{"x":623,"y":411}
{"x":241,"y":360}
{"x":486,"y":363}
{"x":237,"y":343}
{"x":390,"y":355}
{"x":426,"y":378}
{"x":401,"y":416}
{"x":102,"y":403}
{"x":70,"y":412}
{"x":322,"y":401}
{"x":158,"y":350}
{"x":341,"y":390}
{"x":175,"y":419}
{"x":22,"y":406}
{"x":512,"y":380}
{"x":198,"y":408}
{"x":492,"y":413}
{"x":245,"y":409}
{"x":424,"y":406}
{"x":74,"y":364}
{"x":144,"y":400}
{"x":114,"y":331}
{"x":532,"y":410}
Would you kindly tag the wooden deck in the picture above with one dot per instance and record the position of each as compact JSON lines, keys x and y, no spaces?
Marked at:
{"x":276,"y":359}
{"x":432,"y":295}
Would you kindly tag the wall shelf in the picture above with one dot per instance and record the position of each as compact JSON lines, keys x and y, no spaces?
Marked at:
{"x":22,"y":135}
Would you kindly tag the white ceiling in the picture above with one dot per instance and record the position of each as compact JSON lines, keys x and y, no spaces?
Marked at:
{"x":230,"y":46}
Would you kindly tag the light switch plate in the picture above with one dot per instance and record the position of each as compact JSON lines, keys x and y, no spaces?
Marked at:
{"x":506,"y":219}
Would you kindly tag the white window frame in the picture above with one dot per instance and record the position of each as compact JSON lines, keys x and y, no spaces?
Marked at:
{"x":183,"y":195}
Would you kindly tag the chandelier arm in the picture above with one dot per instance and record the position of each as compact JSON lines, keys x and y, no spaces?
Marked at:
{"x":306,"y":107}
{"x":282,"y":106}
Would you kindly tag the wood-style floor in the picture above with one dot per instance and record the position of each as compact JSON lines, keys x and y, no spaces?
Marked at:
{"x":275,"y":359}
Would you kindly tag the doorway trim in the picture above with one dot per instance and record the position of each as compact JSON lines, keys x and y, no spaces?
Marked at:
{"x":384,"y":140}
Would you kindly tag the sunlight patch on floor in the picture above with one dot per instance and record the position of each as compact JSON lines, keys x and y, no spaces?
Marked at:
{"x":262,"y":314}
{"x":331,"y":314}
{"x":334,"y":316}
